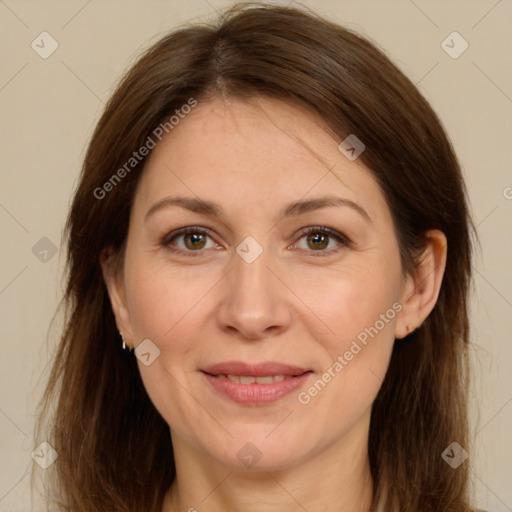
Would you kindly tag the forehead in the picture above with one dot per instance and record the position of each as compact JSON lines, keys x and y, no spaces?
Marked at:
{"x":262,"y":152}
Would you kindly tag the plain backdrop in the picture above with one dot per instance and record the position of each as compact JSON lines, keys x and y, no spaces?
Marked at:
{"x":49,"y":107}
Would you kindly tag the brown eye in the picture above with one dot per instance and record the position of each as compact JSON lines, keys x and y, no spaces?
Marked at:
{"x":322,"y":240}
{"x":189,"y":240}
{"x":194,"y":240}
{"x":318,"y":241}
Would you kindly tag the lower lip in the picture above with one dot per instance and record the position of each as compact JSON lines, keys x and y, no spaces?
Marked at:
{"x":256,"y":394}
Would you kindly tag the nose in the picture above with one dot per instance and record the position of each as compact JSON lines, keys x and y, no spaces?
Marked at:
{"x":255,"y":299}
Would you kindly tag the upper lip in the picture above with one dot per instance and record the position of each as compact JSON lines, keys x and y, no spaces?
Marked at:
{"x":254,"y":369}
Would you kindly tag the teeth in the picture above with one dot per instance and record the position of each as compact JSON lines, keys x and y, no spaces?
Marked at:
{"x":263,"y":380}
{"x":249,"y":379}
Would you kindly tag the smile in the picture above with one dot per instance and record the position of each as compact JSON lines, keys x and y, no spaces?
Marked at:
{"x":255,"y":384}
{"x":251,"y":379}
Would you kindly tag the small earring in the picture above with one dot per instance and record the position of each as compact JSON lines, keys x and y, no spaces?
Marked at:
{"x":129,"y":349}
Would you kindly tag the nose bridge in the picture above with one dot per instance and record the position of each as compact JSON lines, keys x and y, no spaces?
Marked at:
{"x":251,"y":280}
{"x":254,"y":301}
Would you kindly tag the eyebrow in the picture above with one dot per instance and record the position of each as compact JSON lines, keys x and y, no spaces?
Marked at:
{"x":211,"y":209}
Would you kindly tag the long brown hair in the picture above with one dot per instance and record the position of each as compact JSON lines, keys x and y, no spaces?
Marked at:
{"x":114,"y":448}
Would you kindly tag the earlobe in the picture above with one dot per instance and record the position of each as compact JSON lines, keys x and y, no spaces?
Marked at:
{"x":421,"y":290}
{"x":116,"y":291}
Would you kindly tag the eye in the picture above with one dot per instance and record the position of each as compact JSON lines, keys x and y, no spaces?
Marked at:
{"x":188,"y":240}
{"x":321,"y":240}
{"x":193,"y":239}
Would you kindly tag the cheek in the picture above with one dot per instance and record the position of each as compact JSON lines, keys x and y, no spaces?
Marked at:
{"x":161,"y":299}
{"x":360,"y":310}
{"x":164,"y":306}
{"x":353,"y":304}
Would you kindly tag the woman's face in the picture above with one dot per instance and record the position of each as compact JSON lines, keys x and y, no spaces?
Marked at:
{"x":256,"y":288}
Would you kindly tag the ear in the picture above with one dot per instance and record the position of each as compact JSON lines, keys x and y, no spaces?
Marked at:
{"x":421,"y":289}
{"x":113,"y":277}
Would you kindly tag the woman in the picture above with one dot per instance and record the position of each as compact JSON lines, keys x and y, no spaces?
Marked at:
{"x":268,"y":264}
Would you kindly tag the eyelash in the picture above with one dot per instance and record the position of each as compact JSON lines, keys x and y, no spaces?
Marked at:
{"x":342,"y":239}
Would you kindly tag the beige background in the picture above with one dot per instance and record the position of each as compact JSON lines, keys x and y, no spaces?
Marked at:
{"x":49,"y":108}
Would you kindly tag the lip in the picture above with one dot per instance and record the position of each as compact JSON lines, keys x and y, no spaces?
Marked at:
{"x":255,"y":394}
{"x":258,"y":369}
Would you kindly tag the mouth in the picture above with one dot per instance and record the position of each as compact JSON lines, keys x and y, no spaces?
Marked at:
{"x":252,"y":379}
{"x":255,"y":384}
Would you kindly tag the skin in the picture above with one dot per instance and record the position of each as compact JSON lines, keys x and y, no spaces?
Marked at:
{"x":296,"y":303}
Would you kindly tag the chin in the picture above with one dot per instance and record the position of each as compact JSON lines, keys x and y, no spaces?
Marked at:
{"x":261,"y":451}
